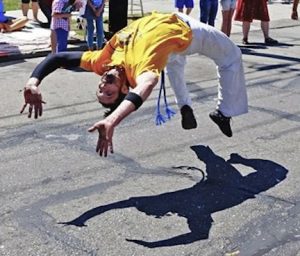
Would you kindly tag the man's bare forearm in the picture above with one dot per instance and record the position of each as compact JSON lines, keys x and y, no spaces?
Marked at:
{"x":145,"y":84}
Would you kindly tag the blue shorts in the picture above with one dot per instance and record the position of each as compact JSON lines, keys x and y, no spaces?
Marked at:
{"x":227,"y":4}
{"x":181,"y":3}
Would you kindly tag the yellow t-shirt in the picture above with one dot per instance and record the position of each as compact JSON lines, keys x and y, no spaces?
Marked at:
{"x":142,"y":46}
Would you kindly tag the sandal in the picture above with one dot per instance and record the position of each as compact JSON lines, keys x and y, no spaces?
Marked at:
{"x":270,"y":41}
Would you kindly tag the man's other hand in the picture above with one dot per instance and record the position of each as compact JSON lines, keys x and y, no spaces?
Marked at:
{"x":105,"y":130}
{"x":33,"y":98}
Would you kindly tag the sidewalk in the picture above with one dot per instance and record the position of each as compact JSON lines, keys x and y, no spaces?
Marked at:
{"x":279,"y":14}
{"x":33,"y":41}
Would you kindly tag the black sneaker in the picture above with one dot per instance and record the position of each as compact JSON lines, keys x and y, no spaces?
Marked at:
{"x":44,"y":25}
{"x":222,"y":121}
{"x":270,"y":41}
{"x":188,"y":120}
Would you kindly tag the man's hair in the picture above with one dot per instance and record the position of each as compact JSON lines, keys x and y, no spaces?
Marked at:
{"x":113,"y":106}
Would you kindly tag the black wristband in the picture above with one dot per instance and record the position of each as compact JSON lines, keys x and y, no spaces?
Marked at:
{"x":135,"y":99}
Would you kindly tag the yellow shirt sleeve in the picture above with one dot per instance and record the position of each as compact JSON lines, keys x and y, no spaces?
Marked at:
{"x":98,"y":61}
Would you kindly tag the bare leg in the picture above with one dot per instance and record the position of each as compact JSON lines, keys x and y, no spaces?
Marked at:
{"x":225,"y":21}
{"x":294,"y":14}
{"x":246,"y":29}
{"x":25,"y":8}
{"x":188,"y":10}
{"x":17,"y":24}
{"x":265,"y":28}
{"x":180,"y":10}
{"x":230,"y":15}
{"x":35,"y":9}
{"x":53,"y":41}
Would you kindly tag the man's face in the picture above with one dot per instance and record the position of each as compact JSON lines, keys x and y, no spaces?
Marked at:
{"x":109,"y":87}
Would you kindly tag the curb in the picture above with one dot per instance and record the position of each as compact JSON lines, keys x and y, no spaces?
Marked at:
{"x":72,"y":46}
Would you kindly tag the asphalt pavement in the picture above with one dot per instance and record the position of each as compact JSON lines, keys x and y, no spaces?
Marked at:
{"x":165,"y":191}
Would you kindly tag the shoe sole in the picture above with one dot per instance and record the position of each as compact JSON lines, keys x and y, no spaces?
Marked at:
{"x":191,"y":124}
{"x":216,"y":121}
{"x":188,"y":120}
{"x":189,"y":127}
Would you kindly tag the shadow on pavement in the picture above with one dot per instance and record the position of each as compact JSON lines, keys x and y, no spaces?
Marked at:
{"x":251,"y":51}
{"x":11,"y":63}
{"x":222,"y":187}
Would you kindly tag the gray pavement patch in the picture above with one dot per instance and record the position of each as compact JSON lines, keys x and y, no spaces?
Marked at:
{"x":270,"y":232}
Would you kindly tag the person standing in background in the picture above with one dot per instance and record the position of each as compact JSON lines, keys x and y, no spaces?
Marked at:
{"x":46,"y":8}
{"x":208,"y":11}
{"x":228,"y":7}
{"x":34,"y":7}
{"x":294,"y":15}
{"x":249,"y":10}
{"x":188,"y":4}
{"x":117,"y":16}
{"x":60,"y":23}
{"x":94,"y":12}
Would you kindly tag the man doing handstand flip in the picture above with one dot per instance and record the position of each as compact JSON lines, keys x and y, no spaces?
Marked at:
{"x":130,"y":65}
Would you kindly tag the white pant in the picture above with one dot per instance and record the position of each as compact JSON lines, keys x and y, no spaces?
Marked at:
{"x":210,"y":42}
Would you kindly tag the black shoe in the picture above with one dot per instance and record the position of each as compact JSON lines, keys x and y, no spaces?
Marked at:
{"x":245,"y":41}
{"x":270,"y":41}
{"x":44,"y":25}
{"x":222,"y":121}
{"x":188,"y":120}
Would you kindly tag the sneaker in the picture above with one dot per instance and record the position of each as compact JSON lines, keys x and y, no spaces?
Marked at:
{"x":188,"y":120}
{"x":270,"y":41}
{"x":222,"y":121}
{"x":44,"y":25}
